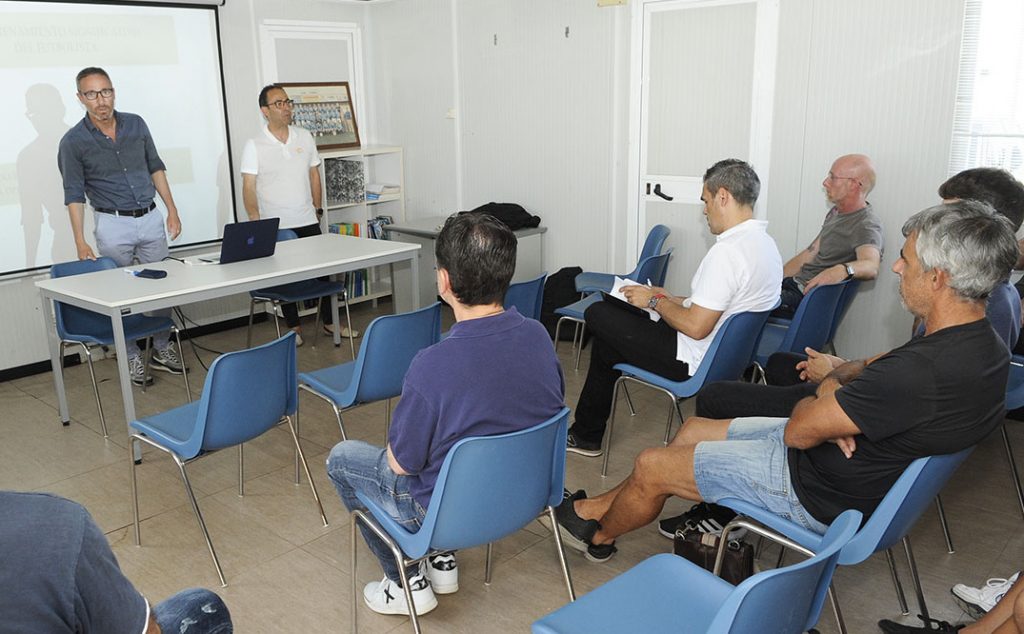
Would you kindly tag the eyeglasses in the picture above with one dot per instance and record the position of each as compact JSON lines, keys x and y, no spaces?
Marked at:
{"x":833,"y":178}
{"x":91,"y":95}
{"x":282,"y":103}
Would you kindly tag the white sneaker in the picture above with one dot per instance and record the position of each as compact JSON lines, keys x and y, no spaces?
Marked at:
{"x":137,"y":370}
{"x":443,"y":572}
{"x":978,"y":601}
{"x":386,"y":597}
{"x":167,"y":360}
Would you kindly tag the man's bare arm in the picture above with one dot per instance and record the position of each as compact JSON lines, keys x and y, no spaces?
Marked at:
{"x":694,"y":321}
{"x":252,"y":207}
{"x":818,"y":419}
{"x":797,"y":262}
{"x":164,"y":189}
{"x":865,"y":267}
{"x":76,"y":212}
{"x":314,"y":187}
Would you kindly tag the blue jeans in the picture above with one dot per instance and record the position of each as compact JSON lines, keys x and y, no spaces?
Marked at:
{"x":752,"y":465}
{"x":128,"y":240}
{"x":354,"y":465}
{"x":194,"y":611}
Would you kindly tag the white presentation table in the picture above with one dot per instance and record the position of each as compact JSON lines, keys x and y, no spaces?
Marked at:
{"x":115,"y":293}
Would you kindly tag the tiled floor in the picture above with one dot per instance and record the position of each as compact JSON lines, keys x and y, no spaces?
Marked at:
{"x":287,"y":573}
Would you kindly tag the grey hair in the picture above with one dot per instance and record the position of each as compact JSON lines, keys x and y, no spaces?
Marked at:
{"x":968,"y":240}
{"x":737,"y":177}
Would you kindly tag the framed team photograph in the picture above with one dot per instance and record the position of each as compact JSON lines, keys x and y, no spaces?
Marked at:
{"x":325,"y":109}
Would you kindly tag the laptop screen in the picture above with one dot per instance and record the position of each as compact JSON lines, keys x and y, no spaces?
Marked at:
{"x":249,"y":240}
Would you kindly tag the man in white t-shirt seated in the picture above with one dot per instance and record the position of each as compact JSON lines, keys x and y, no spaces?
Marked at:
{"x":741,"y":272}
{"x":281,"y":179}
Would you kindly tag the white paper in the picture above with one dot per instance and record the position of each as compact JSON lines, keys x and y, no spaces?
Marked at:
{"x":617,"y":293}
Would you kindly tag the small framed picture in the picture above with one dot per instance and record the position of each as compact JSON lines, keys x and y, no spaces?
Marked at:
{"x":325,"y":109}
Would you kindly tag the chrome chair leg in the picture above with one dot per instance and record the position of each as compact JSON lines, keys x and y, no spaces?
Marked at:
{"x":916,"y":578}
{"x":241,"y":470}
{"x":277,"y":322}
{"x":337,"y":412}
{"x":184,"y":372}
{"x":145,"y":366}
{"x":95,"y":385}
{"x":900,"y":596}
{"x":561,"y":553}
{"x":316,"y":322}
{"x":248,"y":333}
{"x":135,"y":490}
{"x":351,"y":334}
{"x":1013,"y":468}
{"x":609,"y":428}
{"x":488,"y":563}
{"x":629,"y":401}
{"x":297,"y":465}
{"x":836,"y":611}
{"x":309,"y":476}
{"x":944,"y":524}
{"x":579,"y":348}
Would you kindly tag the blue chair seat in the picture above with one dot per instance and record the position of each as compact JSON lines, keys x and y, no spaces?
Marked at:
{"x":172,"y":428}
{"x":335,"y":382}
{"x":135,"y":327}
{"x":300,"y":291}
{"x":575,"y":310}
{"x":591,"y":282}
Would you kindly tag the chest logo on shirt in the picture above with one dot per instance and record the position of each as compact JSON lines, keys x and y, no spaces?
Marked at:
{"x":298,"y":150}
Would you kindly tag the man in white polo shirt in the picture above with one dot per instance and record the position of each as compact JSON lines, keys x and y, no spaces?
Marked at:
{"x":741,"y":272}
{"x":281,"y":179}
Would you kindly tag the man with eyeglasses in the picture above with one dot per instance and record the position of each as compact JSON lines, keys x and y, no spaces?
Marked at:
{"x":110,"y":158}
{"x":850,"y":242}
{"x":281,"y":179}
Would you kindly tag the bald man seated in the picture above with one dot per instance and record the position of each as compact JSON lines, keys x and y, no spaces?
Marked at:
{"x":850,"y":242}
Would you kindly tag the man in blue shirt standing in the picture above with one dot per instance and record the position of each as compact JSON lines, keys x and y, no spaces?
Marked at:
{"x":110,"y":158}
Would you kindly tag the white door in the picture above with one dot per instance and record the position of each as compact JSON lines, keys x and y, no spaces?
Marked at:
{"x":706,"y":71}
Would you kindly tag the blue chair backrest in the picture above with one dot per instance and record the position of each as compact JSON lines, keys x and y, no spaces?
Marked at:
{"x":246,"y":393}
{"x":492,"y":486}
{"x":527,"y":296}
{"x":286,"y":234}
{"x":72,"y":319}
{"x":913,"y":492}
{"x":849,"y":292}
{"x":655,"y":242}
{"x":812,"y":322}
{"x":732,"y":348}
{"x":654,"y":268}
{"x":389,"y":345}
{"x":1015,"y":383}
{"x":790,"y":598}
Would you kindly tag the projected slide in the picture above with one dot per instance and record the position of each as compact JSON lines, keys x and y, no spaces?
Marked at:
{"x":163,"y":65}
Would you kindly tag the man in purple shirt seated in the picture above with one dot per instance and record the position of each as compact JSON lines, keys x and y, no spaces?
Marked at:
{"x":495,"y":373}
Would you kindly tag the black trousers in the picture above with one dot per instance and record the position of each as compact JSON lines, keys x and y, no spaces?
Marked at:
{"x":619,"y":336}
{"x":291,"y":311}
{"x":791,"y":296}
{"x":737,"y":399}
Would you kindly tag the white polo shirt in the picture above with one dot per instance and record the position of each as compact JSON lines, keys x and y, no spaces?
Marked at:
{"x":282,"y":175}
{"x":741,"y":272}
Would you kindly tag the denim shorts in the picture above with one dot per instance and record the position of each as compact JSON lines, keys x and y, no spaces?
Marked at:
{"x":751,"y":465}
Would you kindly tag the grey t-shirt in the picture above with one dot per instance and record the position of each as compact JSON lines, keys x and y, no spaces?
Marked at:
{"x":58,"y":573}
{"x":839,"y":237}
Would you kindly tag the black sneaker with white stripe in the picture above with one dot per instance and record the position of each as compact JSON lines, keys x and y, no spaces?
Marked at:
{"x":705,"y":517}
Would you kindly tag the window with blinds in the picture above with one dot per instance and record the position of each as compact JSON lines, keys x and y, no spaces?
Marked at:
{"x":988,"y":120}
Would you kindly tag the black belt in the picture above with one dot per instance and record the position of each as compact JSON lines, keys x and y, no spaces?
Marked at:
{"x":133,"y":213}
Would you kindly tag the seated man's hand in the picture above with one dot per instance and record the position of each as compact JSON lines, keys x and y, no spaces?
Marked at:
{"x":641,"y":295}
{"x":831,"y":275}
{"x":818,"y":365}
{"x":846,"y":444}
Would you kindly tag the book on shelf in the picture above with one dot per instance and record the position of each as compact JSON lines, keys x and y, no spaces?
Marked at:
{"x":344,"y":228}
{"x":374,"y":191}
{"x":375,"y":227}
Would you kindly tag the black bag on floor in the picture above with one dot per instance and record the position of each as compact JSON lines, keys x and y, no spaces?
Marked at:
{"x":559,"y":291}
{"x":702,"y":548}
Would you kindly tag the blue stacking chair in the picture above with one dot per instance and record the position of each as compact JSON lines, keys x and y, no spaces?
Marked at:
{"x":246,"y":393}
{"x":809,"y":328}
{"x":1014,"y":400}
{"x":667,"y":593}
{"x":87,"y":329}
{"x":891,"y":522}
{"x":527,"y":296}
{"x":588,"y":282}
{"x":489,"y":487}
{"x":845,"y":300}
{"x":653,"y":268}
{"x":389,"y":344}
{"x":299,"y":292}
{"x":726,"y":358}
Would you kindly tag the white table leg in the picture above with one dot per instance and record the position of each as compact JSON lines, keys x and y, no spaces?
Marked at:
{"x":55,"y":361}
{"x":126,"y":378}
{"x":414,"y":262}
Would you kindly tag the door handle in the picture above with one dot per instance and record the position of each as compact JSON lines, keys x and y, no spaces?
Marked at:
{"x":659,"y":193}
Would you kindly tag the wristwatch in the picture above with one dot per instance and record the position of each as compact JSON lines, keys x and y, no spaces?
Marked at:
{"x":849,"y":271}
{"x":653,"y":302}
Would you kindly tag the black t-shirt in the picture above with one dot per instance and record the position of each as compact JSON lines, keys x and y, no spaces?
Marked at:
{"x":934,"y":395}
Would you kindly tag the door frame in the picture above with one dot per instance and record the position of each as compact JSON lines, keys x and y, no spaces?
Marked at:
{"x":761,"y":111}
